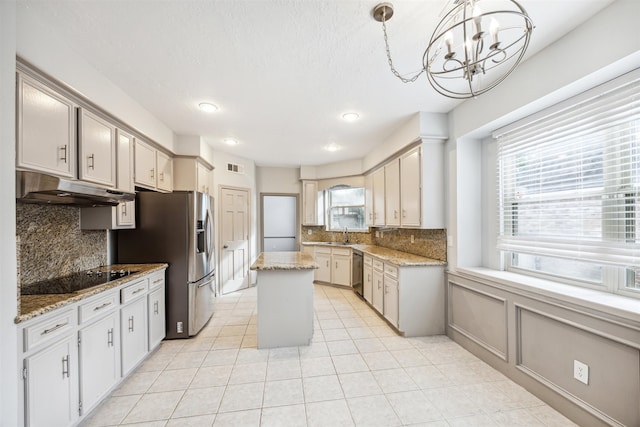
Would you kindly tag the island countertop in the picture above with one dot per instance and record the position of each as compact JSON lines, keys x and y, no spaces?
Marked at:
{"x":284,"y":261}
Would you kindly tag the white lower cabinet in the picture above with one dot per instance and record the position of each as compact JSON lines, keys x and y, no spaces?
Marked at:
{"x":391,"y":300}
{"x":377,"y":298}
{"x":74,"y":356}
{"x":367,"y":279}
{"x":156,"y":310}
{"x":51,"y":384}
{"x":133,"y":324}
{"x":99,"y":354}
{"x":323,"y":259}
{"x":334,"y":265}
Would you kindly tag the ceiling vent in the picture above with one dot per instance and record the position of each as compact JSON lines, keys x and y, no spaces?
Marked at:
{"x":235,"y":168}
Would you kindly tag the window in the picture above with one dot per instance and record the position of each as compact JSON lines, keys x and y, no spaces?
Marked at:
{"x":345,"y":208}
{"x":570,"y":193}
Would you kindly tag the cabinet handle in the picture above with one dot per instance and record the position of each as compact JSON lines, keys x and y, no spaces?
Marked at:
{"x":153,"y":175}
{"x":124,"y":209}
{"x":100,"y":307}
{"x":91,"y":162}
{"x":162,"y":176}
{"x":131,"y":324}
{"x":157,"y":281}
{"x":137,"y":290}
{"x":368,"y":277}
{"x":110,"y":338}
{"x":395,"y":213}
{"x":404,"y":213}
{"x":379,"y":285}
{"x":155,"y":307}
{"x":58,"y":326}
{"x":64,"y":150}
{"x":65,"y":366}
{"x":336,"y":265}
{"x":327,"y":263}
{"x":370,"y":215}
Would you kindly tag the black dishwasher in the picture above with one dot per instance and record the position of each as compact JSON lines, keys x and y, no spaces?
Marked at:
{"x":356,"y":271}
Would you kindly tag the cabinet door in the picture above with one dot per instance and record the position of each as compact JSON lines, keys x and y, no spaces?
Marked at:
{"x":156,"y":309}
{"x":323,"y":273}
{"x":133,"y":328}
{"x":378,"y":197}
{"x":378,"y":291}
{"x":392,"y":193}
{"x":52,"y":385}
{"x":126,"y":215}
{"x":309,"y":202}
{"x":165,"y":172}
{"x":46,"y":129}
{"x":203,"y":176}
{"x":98,"y":360}
{"x":341,"y":270}
{"x":410,"y":188}
{"x":391,"y":300}
{"x":144,"y":165}
{"x":124,"y":161}
{"x":368,"y":200}
{"x":367,"y":279}
{"x":97,"y":149}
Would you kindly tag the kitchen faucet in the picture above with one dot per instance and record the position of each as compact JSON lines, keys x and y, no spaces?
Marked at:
{"x":345,"y":235}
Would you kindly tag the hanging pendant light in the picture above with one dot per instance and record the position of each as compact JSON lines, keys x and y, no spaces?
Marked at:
{"x":476,"y":45}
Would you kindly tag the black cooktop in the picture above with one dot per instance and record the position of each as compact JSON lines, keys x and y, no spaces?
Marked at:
{"x":75,"y":282}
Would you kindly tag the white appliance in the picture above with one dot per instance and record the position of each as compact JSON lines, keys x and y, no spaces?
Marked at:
{"x":279,"y":223}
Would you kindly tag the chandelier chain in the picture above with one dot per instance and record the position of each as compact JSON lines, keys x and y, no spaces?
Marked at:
{"x":393,"y":70}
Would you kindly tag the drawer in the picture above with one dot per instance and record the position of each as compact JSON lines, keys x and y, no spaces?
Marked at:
{"x":378,"y":265}
{"x":156,"y":280}
{"x":48,"y":329}
{"x":97,"y":306}
{"x":368,"y":260}
{"x":323,"y":250}
{"x":391,"y":270}
{"x":134,"y":290}
{"x":341,"y":251}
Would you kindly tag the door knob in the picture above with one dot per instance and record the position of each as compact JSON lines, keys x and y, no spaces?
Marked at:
{"x":225,"y":247}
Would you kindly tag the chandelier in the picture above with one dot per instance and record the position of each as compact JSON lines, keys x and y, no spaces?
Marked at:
{"x":476,"y":45}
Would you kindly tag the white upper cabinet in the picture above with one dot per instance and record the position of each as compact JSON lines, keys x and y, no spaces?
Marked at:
{"x":124,"y":156}
{"x":203,"y":178}
{"x":145,"y":164}
{"x":368,"y":200}
{"x":97,"y":149}
{"x":312,"y":204}
{"x":192,"y":174}
{"x":410,"y":188}
{"x":392,"y":192}
{"x":378,"y":198}
{"x":164,"y":163}
{"x":46,"y":135}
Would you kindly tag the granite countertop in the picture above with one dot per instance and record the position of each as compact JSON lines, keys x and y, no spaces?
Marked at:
{"x":284,"y":261}
{"x":399,"y":258}
{"x":35,"y":305}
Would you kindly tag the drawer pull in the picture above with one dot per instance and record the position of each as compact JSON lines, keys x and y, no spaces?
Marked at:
{"x":137,"y":290}
{"x":64,"y":150}
{"x":157,"y":281}
{"x":131,"y":324}
{"x":91,"y":162}
{"x":155,"y":307}
{"x":58,"y":326}
{"x":65,"y":366}
{"x":110,"y":338}
{"x":100,"y":307}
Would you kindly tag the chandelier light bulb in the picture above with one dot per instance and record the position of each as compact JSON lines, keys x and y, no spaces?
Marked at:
{"x":493,"y":30}
{"x":477,"y":21}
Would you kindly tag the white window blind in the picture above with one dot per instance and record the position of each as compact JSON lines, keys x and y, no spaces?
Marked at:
{"x":570,"y":182}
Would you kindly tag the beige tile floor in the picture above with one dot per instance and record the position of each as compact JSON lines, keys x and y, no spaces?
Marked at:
{"x":357,"y":371}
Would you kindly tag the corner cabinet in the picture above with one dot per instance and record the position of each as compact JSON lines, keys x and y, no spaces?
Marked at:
{"x":312,"y":204}
{"x":46,"y":129}
{"x":192,"y":174}
{"x":74,"y":356}
{"x":153,"y":169}
{"x":334,"y":265}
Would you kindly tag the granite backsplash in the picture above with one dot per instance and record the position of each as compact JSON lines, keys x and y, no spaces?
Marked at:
{"x":51,"y":243}
{"x":428,"y":243}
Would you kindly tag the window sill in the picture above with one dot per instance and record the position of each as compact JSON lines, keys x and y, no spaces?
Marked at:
{"x":627,"y":308}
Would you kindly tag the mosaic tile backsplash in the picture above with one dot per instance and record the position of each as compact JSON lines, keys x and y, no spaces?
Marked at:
{"x":51,"y":243}
{"x":427,"y":243}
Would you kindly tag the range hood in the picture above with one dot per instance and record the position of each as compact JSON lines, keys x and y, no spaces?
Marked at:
{"x":36,"y":187}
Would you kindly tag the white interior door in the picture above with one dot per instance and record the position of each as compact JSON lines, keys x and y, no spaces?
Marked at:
{"x":234,"y":233}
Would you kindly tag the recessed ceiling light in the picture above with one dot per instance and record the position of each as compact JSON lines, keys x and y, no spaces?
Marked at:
{"x":350,"y":117}
{"x":208,"y":107}
{"x":230,"y":141}
{"x":332,"y":147}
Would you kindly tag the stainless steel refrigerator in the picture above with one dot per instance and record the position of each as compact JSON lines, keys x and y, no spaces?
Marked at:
{"x":176,"y":228}
{"x":279,"y":223}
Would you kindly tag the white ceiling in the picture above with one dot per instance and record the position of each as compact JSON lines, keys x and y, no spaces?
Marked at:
{"x":282,"y":71}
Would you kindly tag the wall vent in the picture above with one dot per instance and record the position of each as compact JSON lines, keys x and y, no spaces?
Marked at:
{"x":235,"y":168}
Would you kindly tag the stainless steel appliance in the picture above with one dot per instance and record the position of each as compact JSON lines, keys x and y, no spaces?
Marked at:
{"x":176,"y":228}
{"x":356,"y":272}
{"x":76,"y":282}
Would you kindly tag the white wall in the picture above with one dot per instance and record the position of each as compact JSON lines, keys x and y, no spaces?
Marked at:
{"x":9,"y":283}
{"x":42,"y":47}
{"x":589,"y":55}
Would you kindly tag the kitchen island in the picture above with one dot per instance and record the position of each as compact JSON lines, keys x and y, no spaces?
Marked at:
{"x":285,"y":298}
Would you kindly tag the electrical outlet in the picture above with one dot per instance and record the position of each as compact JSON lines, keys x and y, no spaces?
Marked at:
{"x":413,"y":239}
{"x":581,"y":372}
{"x":309,"y":231}
{"x":450,"y":241}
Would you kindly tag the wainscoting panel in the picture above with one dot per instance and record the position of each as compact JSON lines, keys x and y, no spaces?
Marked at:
{"x":547,"y":346}
{"x":480,"y":316}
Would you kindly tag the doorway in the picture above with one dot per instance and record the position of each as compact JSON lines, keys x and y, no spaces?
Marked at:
{"x":234,"y":238}
{"x":279,"y":224}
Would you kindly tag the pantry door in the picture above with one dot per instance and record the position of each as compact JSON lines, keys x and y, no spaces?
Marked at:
{"x":234,"y":239}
